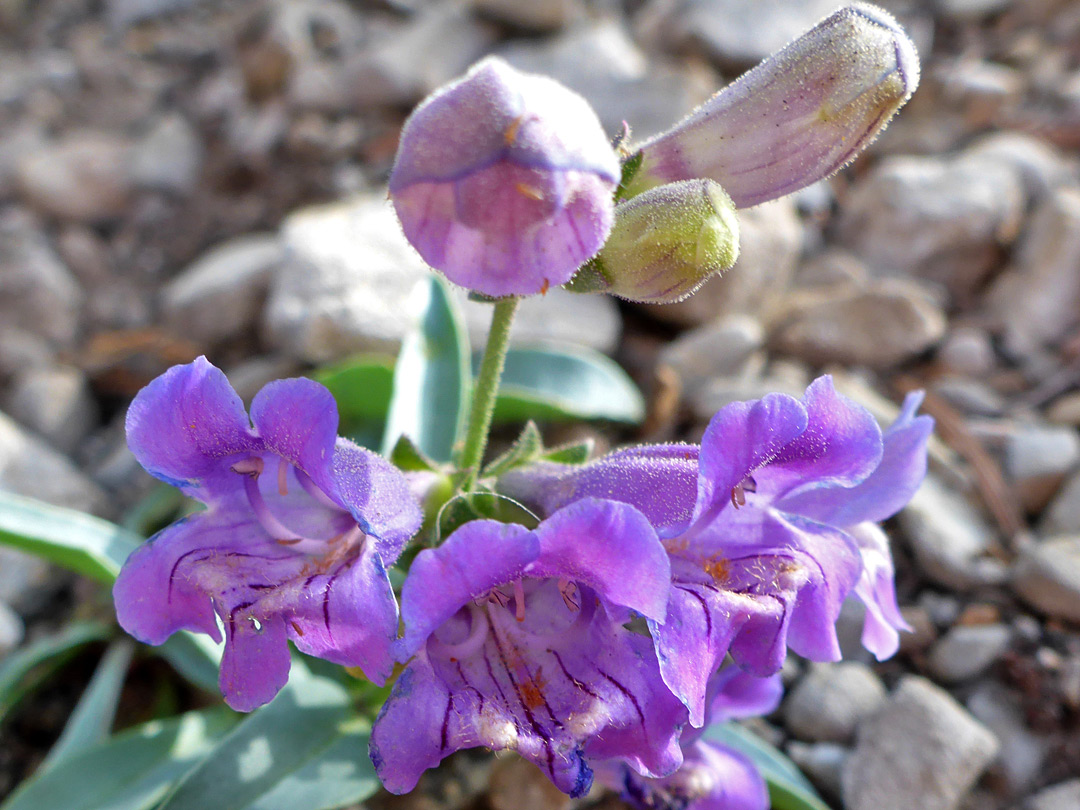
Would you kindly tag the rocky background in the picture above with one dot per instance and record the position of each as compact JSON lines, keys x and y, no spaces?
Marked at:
{"x":179,"y":177}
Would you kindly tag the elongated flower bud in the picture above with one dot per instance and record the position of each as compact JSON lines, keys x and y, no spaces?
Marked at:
{"x":797,"y":117}
{"x":503,"y":181}
{"x":665,"y":244}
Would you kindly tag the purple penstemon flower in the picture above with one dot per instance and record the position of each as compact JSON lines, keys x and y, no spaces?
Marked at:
{"x":712,"y":776}
{"x":298,"y":529}
{"x":516,"y":642}
{"x":766,"y":526}
{"x":503,"y":181}
{"x":797,"y":117}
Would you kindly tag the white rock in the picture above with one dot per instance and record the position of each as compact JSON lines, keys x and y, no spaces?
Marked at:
{"x":941,"y":219}
{"x":1037,"y":459}
{"x":437,"y":45}
{"x":1047,"y":575}
{"x":221,"y":295}
{"x":1063,"y":514}
{"x":56,"y":402}
{"x":347,"y":281}
{"x":37,"y":293}
{"x":880,"y":326}
{"x":1062,"y":796}
{"x":770,"y":241}
{"x":1023,"y":752}
{"x":921,"y":750}
{"x":122,"y":13}
{"x":169,"y":157}
{"x":967,"y":651}
{"x":828,"y":704}
{"x":718,"y":349}
{"x":602,"y":63}
{"x":967,"y":350}
{"x":536,"y":15}
{"x":1040,"y":166}
{"x":28,"y":466}
{"x":739,"y":31}
{"x":950,"y":538}
{"x":1037,"y":302}
{"x":82,"y":176}
{"x":822,"y":762}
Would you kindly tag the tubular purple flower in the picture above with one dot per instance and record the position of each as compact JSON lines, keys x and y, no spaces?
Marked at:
{"x":298,"y":529}
{"x":514,"y":644}
{"x":767,"y":527}
{"x":796,"y":118}
{"x":712,"y":776}
{"x":503,"y":181}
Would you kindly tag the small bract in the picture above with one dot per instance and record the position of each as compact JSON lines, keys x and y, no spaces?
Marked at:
{"x":503,"y":181}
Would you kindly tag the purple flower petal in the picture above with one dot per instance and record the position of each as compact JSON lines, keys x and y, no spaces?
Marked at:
{"x":798,"y":116}
{"x":711,"y":777}
{"x":378,"y":496}
{"x":840,"y":447}
{"x":610,"y":547}
{"x":472,"y":561}
{"x":741,"y":439}
{"x":347,"y":615}
{"x":418,"y":725}
{"x":153,"y":598}
{"x":658,"y":480}
{"x":297,"y":420}
{"x":877,"y":590}
{"x":507,"y":622}
{"x":186,"y":426}
{"x":255,"y":664}
{"x":888,"y":488}
{"x":735,"y":693}
{"x":503,"y":181}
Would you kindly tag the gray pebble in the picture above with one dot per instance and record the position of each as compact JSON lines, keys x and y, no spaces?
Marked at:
{"x":921,"y":750}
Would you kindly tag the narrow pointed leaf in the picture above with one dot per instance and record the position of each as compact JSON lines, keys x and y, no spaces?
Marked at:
{"x":24,"y":669}
{"x":525,"y":448}
{"x":79,"y":542}
{"x":431,"y":378}
{"x":130,"y":771}
{"x":195,"y":656}
{"x":93,"y":717}
{"x":304,"y":749}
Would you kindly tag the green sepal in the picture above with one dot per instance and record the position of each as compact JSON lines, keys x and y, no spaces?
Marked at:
{"x":574,"y":453}
{"x":481,"y":505}
{"x":407,"y":457}
{"x":630,"y":168}
{"x":526,"y":448}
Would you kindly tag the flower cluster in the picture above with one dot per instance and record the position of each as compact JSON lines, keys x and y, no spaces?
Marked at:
{"x":656,"y":590}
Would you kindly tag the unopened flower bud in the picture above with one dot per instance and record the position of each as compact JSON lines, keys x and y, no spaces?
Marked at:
{"x":665,"y":244}
{"x":503,"y":181}
{"x":799,"y":116}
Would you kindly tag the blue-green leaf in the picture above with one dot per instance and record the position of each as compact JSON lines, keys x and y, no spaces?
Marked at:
{"x":362,"y":385}
{"x":130,"y":771}
{"x":77,"y":541}
{"x":93,"y":717}
{"x":24,"y":669}
{"x":788,"y":788}
{"x":559,"y":383}
{"x":432,"y":378}
{"x":195,"y":656}
{"x":305,"y":749}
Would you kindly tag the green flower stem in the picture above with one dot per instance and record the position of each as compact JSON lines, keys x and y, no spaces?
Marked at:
{"x":486,"y":388}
